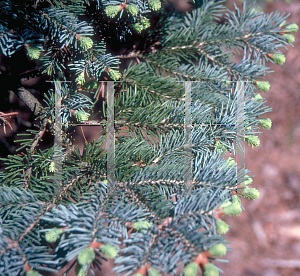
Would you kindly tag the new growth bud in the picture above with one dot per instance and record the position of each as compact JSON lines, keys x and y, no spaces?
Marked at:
{"x":289,"y":37}
{"x":114,"y":74}
{"x":33,"y":52}
{"x":132,"y":9}
{"x":108,"y":250}
{"x":250,"y":193}
{"x":81,"y":270}
{"x":210,"y":270}
{"x":86,"y":256}
{"x":258,"y":97}
{"x":85,"y":43}
{"x":142,"y":224}
{"x":153,"y":272}
{"x":32,"y":273}
{"x":247,"y":181}
{"x":264,"y":86}
{"x":265,"y":123}
{"x":52,"y":166}
{"x":138,"y":27}
{"x":145,"y":22}
{"x":111,"y":10}
{"x":81,"y":116}
{"x":279,"y":59}
{"x":220,"y":147}
{"x":222,"y":226}
{"x":232,"y":208}
{"x":80,"y":79}
{"x":282,"y":23}
{"x":155,"y":5}
{"x":230,"y":162}
{"x":252,"y":140}
{"x":190,"y":269}
{"x":218,"y":250}
{"x":293,"y":28}
{"x":53,"y":235}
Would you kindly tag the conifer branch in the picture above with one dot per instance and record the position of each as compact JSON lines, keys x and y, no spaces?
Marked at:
{"x":148,"y":204}
{"x":133,"y":82}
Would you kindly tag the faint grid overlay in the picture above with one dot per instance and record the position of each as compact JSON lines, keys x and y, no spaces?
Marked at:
{"x":110,"y":141}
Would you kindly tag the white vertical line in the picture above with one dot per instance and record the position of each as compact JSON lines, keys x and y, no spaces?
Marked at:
{"x":110,"y":145}
{"x":57,"y":138}
{"x":241,"y":128}
{"x":188,"y":139}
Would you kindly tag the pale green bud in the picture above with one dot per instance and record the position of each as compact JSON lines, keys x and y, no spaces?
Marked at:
{"x":52,"y":166}
{"x":81,"y":116}
{"x":282,"y":23}
{"x":248,"y":181}
{"x":138,"y":27}
{"x":32,"y":273}
{"x":230,"y":162}
{"x":258,"y":97}
{"x":190,"y":269}
{"x":289,"y":37}
{"x":142,"y":224}
{"x":220,"y":147}
{"x":81,"y":270}
{"x":252,"y":140}
{"x":222,"y":226}
{"x":264,"y":86}
{"x":218,"y":250}
{"x":293,"y":28}
{"x":108,"y":250}
{"x":111,"y":10}
{"x":132,"y":9}
{"x":226,"y":82}
{"x":210,"y":270}
{"x":279,"y":59}
{"x":86,"y":256}
{"x":154,"y":5}
{"x":80,"y":79}
{"x":145,"y":22}
{"x":153,"y":272}
{"x":53,"y":235}
{"x":33,"y":52}
{"x":250,"y":193}
{"x":114,"y":74}
{"x":85,"y":42}
{"x":236,"y":199}
{"x":265,"y":123}
{"x":233,"y":209}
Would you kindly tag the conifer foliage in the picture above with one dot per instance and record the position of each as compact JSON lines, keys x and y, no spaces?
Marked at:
{"x":147,"y":222}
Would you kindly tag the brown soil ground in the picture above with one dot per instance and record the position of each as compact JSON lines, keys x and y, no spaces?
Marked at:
{"x":266,"y":237}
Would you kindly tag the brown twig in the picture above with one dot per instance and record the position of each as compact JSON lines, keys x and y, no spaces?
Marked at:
{"x":38,"y":137}
{"x":2,"y":115}
{"x":83,"y":135}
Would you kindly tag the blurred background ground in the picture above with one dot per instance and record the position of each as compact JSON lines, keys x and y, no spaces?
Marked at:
{"x":265,"y":239}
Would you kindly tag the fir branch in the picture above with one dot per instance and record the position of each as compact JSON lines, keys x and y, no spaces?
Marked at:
{"x":133,"y":82}
{"x":149,"y":170}
{"x":62,"y":192}
{"x":29,"y":100}
{"x":39,"y":136}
